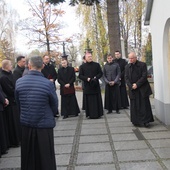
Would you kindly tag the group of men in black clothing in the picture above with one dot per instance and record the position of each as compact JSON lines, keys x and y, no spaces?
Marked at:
{"x":10,"y":129}
{"x":116,"y":73}
{"x":115,"y":89}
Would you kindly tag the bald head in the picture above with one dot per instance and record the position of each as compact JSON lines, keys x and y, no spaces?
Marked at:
{"x":132,"y":57}
{"x":6,"y":65}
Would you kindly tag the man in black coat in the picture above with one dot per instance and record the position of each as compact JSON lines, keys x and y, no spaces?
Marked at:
{"x":123,"y":93}
{"x":90,"y":72}
{"x":66,"y":79}
{"x":19,"y":69}
{"x":49,"y":71}
{"x":139,"y":91}
{"x":12,"y":113}
{"x":3,"y":134}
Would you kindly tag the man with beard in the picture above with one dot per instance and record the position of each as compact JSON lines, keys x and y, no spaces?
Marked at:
{"x":90,"y":73}
{"x":111,"y":74}
{"x":123,"y":93}
{"x":66,"y":79}
{"x":139,"y":91}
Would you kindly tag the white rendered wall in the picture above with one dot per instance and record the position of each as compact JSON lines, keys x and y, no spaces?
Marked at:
{"x":160,"y":26}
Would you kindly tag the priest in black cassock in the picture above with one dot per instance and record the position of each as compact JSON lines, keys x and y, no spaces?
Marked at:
{"x":3,"y":133}
{"x":12,"y":114}
{"x":66,"y":79}
{"x":139,"y":91}
{"x":90,"y":73}
{"x":49,"y":70}
{"x":111,"y":74}
{"x":123,"y":93}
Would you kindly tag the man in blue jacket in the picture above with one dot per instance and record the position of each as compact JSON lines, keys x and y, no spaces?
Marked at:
{"x":38,"y":104}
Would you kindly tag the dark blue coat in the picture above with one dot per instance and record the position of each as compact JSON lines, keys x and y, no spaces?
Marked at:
{"x":37,"y":99}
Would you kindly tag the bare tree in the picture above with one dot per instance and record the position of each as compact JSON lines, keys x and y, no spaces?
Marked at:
{"x":8,"y":30}
{"x":131,"y":20}
{"x":43,"y":27}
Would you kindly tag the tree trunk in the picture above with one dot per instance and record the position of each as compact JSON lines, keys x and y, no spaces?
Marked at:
{"x":139,"y":26}
{"x":113,"y":25}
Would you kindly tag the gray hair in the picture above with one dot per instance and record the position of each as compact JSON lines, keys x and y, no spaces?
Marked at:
{"x":36,"y":62}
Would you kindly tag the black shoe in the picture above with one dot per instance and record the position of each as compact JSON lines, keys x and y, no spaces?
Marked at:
{"x":4,"y":152}
{"x":117,"y":111}
{"x":146,"y":124}
{"x":136,"y":125}
{"x":125,"y":108}
{"x":64,"y":117}
{"x":57,"y":115}
{"x":109,"y":111}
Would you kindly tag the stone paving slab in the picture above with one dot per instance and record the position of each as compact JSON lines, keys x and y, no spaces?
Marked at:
{"x":93,"y":121}
{"x":157,"y":135}
{"x":154,"y":127}
{"x":94,"y":138}
{"x":62,"y":159}
{"x":66,"y":127}
{"x":167,"y":163}
{"x":10,"y":162}
{"x":64,"y":133}
{"x":61,"y":168}
{"x":130,"y":145}
{"x":118,"y":119}
{"x":63,"y":140}
{"x":112,"y":116}
{"x":140,"y":166}
{"x":135,"y":155}
{"x":120,"y":130}
{"x":96,"y":167}
{"x":96,"y":125}
{"x":60,"y":149}
{"x":120,"y":124}
{"x":13,"y":152}
{"x":97,"y":147}
{"x":66,"y":122}
{"x":94,"y":158}
{"x":163,"y":152}
{"x":93,"y":131}
{"x":124,"y":137}
{"x":160,"y":143}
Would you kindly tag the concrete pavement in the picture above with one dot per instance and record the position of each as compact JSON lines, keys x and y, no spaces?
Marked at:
{"x":109,"y":143}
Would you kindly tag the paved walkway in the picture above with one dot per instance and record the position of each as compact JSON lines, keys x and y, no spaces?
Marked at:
{"x":109,"y":143}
